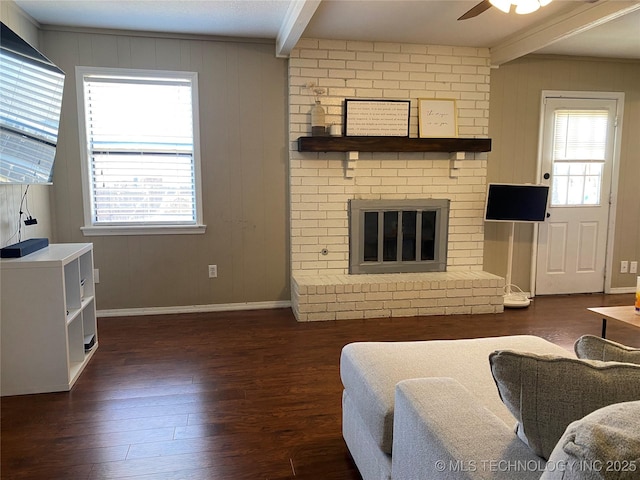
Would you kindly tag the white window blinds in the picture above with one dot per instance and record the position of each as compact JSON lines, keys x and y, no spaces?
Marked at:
{"x":579,"y":152}
{"x":30,"y":100}
{"x":140,"y":138}
{"x":580,"y":135}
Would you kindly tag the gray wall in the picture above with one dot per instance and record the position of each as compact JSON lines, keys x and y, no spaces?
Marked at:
{"x":513,"y":125}
{"x":242,"y":89}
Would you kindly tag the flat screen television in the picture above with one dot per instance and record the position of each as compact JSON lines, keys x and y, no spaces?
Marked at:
{"x":30,"y":104}
{"x":509,"y":202}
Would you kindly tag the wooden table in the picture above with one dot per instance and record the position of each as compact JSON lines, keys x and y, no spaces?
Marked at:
{"x":624,"y":314}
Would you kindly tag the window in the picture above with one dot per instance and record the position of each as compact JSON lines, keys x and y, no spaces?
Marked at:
{"x":579,"y":151}
{"x":139,"y":141}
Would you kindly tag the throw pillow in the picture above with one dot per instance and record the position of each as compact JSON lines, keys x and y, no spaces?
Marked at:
{"x":545,"y":393}
{"x":595,"y":348}
{"x":603,"y":445}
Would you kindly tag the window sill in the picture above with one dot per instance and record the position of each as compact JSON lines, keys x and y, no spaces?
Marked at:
{"x":94,"y":231}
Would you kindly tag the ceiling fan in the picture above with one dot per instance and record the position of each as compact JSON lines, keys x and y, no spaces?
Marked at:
{"x":522,"y":6}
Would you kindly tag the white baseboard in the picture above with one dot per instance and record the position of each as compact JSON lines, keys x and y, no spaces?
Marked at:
{"x":622,"y":290}
{"x":222,"y":307}
{"x":614,"y":291}
{"x":230,"y":307}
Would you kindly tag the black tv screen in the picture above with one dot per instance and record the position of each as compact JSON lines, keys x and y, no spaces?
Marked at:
{"x":30,"y":104}
{"x":516,"y":202}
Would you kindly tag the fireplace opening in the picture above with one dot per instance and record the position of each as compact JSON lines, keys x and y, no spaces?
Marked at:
{"x":398,"y":236}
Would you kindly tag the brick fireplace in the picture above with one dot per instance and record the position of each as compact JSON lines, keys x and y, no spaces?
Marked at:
{"x":322,"y":184}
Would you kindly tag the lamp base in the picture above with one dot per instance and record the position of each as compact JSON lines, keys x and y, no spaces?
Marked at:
{"x":516,"y":300}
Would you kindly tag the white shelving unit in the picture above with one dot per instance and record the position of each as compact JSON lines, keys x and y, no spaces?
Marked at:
{"x":48,"y":310}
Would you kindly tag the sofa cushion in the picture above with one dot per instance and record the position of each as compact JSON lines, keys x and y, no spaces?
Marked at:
{"x":371,"y":370}
{"x":591,"y":347}
{"x":441,"y":431}
{"x":603,"y":445}
{"x":546,"y":393}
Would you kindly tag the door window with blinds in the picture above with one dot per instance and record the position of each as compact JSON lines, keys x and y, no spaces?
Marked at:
{"x":579,"y":153}
{"x":139,"y":140}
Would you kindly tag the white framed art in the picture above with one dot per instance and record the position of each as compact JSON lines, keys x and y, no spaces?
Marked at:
{"x":437,"y":117}
{"x":385,"y":118}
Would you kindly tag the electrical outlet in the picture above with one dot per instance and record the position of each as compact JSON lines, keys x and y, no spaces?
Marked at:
{"x":96,"y":275}
{"x":624,"y":266}
{"x":633,"y":267}
{"x":213,"y":271}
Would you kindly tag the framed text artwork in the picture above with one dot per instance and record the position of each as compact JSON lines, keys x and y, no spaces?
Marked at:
{"x":376,"y":118}
{"x":437,"y":118}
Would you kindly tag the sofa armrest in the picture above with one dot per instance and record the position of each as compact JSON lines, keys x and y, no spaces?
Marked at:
{"x":441,"y":431}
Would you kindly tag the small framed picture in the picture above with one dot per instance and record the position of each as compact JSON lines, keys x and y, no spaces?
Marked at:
{"x":380,"y":118}
{"x":437,"y":118}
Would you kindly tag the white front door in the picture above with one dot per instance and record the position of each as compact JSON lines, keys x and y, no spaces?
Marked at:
{"x":576,"y":161}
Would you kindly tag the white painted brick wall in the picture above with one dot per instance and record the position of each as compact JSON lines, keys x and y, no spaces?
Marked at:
{"x":319,"y":190}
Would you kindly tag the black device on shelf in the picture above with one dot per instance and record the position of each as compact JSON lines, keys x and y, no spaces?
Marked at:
{"x":89,"y":342}
{"x":23,"y":248}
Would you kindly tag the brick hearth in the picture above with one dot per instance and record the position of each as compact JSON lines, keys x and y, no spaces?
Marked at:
{"x":339,"y":297}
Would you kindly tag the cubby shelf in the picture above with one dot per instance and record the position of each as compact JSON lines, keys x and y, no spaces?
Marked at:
{"x":392,"y":144}
{"x":48,"y":308}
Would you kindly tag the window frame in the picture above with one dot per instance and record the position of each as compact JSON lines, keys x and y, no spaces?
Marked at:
{"x":90,"y":228}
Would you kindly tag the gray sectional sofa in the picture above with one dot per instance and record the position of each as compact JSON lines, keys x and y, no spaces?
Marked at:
{"x":479,"y":408}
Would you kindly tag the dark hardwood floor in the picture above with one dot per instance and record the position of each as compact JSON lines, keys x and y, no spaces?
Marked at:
{"x":242,"y":395}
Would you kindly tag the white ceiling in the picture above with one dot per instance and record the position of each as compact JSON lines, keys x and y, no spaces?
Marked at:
{"x":616,"y":38}
{"x":606,"y":28}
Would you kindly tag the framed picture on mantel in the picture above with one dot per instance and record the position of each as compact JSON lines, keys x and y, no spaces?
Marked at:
{"x":376,"y":118}
{"x":437,"y":118}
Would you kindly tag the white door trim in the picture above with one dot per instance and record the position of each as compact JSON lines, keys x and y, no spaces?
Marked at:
{"x":615,"y":171}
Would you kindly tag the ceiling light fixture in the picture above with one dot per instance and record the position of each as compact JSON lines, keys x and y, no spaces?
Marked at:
{"x":522,"y":6}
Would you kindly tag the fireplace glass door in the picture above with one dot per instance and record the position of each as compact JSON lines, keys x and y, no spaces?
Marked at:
{"x":398,"y":236}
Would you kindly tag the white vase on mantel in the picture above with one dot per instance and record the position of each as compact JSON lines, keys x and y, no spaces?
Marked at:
{"x":318,"y":124}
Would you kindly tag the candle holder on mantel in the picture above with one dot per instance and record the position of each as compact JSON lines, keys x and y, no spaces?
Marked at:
{"x":318,"y":125}
{"x":318,"y":122}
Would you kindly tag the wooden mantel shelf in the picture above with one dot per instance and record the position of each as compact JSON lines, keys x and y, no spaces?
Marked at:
{"x":392,"y":144}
